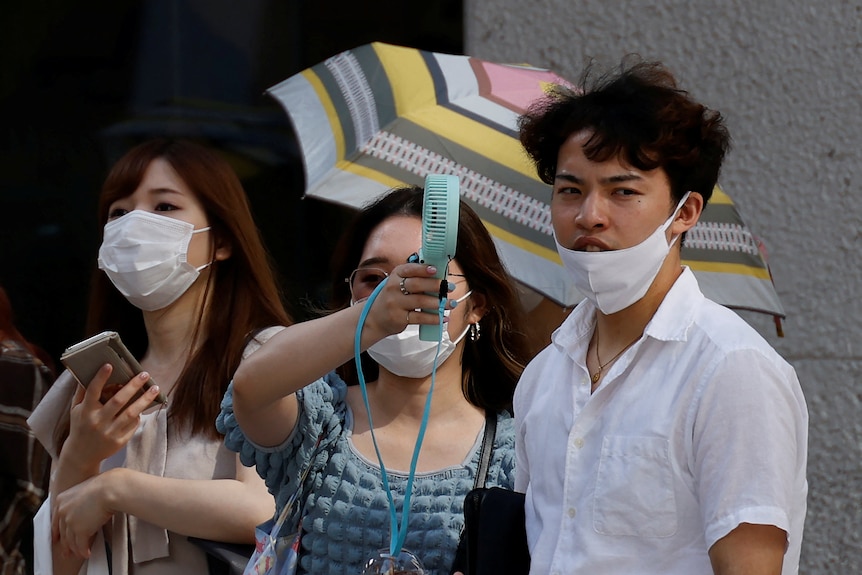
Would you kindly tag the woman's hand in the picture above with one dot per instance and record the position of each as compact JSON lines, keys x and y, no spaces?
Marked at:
{"x":79,"y":512}
{"x":401,"y":300}
{"x":99,"y":430}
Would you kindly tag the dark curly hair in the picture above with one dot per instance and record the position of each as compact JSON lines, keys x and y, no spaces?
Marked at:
{"x":638,"y":114}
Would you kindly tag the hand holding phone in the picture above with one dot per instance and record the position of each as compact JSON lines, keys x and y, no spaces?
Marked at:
{"x":84,"y":360}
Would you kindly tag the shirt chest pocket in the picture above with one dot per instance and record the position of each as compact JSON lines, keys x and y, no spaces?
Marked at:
{"x":634,"y":493}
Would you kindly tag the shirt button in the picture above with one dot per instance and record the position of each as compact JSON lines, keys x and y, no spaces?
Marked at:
{"x":579,"y":443}
{"x":572,"y":512}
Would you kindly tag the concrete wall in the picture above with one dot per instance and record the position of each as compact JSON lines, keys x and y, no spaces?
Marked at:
{"x":787,"y":74}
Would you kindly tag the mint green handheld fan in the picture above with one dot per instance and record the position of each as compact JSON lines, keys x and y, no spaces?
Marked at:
{"x":440,"y":212}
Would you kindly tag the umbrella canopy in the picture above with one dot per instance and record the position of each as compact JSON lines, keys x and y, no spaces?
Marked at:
{"x":380,"y":116}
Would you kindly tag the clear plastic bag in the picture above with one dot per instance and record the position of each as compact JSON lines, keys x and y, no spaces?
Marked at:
{"x":274,"y":555}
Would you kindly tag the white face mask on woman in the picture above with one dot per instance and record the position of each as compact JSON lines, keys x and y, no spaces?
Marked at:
{"x":614,"y":280}
{"x":406,"y":355}
{"x":144,"y":255}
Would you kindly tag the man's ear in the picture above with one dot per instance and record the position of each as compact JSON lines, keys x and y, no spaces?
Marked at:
{"x":688,"y":215}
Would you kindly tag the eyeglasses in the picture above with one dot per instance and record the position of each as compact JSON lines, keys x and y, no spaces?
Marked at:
{"x":362,"y":281}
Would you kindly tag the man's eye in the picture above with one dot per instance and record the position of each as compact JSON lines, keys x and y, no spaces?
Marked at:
{"x":567,"y":191}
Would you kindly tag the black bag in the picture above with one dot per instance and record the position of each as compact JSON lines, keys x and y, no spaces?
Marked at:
{"x":495,"y":533}
{"x":224,"y":558}
{"x":493,"y":523}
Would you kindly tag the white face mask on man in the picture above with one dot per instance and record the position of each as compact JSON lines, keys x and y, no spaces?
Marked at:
{"x":144,"y":255}
{"x":406,"y":355}
{"x":614,"y":280}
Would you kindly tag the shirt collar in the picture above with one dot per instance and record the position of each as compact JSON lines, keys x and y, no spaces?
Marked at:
{"x":574,"y":334}
{"x":676,"y":313}
{"x":671,"y":321}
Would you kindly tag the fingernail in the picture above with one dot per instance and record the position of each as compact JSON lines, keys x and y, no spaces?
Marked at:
{"x":451,"y":286}
{"x":144,"y":375}
{"x":154,"y":389}
{"x":431,"y":269}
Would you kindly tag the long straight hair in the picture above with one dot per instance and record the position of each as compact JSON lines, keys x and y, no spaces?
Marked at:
{"x":241,"y":293}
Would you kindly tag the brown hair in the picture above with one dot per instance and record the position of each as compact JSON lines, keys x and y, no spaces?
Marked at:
{"x":638,"y":114}
{"x":241,"y":290}
{"x":8,"y":331}
{"x":493,"y":363}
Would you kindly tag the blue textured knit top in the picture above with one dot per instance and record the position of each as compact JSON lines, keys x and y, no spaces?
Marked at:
{"x":346,"y":508}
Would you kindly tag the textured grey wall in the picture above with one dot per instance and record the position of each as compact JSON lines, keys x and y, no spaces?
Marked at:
{"x":787,"y":75}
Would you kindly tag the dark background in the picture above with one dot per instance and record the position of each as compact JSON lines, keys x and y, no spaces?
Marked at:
{"x":81,"y":82}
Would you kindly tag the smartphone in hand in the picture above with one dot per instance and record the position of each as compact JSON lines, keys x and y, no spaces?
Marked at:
{"x":84,"y":360}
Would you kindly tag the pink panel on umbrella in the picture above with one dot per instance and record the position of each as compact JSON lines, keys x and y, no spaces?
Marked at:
{"x":514,"y":87}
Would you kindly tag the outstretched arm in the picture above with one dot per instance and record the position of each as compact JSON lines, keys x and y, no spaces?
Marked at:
{"x":264,"y":384}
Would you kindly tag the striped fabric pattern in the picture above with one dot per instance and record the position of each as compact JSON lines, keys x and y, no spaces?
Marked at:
{"x":380,"y":116}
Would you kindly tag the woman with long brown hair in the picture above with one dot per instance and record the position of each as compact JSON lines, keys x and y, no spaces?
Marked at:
{"x":185,"y":280}
{"x":288,"y":397}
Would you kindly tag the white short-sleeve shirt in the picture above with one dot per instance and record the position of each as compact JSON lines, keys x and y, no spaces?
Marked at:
{"x":696,"y":428}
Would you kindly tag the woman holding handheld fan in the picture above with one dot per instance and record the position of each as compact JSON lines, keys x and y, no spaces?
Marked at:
{"x":365,"y":490}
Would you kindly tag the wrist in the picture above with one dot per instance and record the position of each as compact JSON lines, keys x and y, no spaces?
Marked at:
{"x":72,"y":470}
{"x":372,"y":330}
{"x":112,"y":484}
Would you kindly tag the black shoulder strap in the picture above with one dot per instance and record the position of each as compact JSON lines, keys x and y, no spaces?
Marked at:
{"x":487,"y":448}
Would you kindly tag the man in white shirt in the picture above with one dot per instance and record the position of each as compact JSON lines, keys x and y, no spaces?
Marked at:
{"x":658,"y":433}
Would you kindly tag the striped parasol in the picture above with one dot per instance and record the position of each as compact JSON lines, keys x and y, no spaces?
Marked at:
{"x":380,"y":116}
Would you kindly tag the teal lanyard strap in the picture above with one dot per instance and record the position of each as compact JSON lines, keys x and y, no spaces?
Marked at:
{"x":397,"y":534}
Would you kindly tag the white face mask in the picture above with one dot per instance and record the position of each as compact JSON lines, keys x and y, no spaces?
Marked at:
{"x":144,"y":255}
{"x":614,"y":280}
{"x":406,"y":355}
